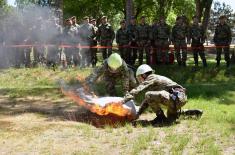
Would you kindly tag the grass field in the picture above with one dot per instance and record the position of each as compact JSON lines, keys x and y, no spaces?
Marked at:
{"x":36,"y":118}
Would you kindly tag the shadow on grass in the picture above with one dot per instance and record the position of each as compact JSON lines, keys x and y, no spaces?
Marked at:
{"x":61,"y":110}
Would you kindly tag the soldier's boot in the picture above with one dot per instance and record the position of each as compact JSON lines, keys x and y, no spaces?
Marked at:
{"x":160,"y":119}
{"x":204,"y":63}
{"x":227,"y":64}
{"x":184,"y":64}
{"x":179,"y":63}
{"x":196,"y":61}
{"x":218,"y":63}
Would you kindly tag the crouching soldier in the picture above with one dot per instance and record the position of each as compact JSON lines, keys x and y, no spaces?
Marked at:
{"x":161,"y":92}
{"x":114,"y":69}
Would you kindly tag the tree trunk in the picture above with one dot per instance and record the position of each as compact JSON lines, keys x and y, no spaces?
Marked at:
{"x":129,"y":10}
{"x":206,"y":15}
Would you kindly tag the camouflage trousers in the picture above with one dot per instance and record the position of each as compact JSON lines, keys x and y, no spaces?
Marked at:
{"x":94,"y":54}
{"x":85,"y":55}
{"x":158,"y":100}
{"x":110,"y":83}
{"x":162,"y":50}
{"x":133,"y":52}
{"x":180,"y":45}
{"x":143,"y":46}
{"x":198,"y":48}
{"x":72,"y":56}
{"x":125,"y":52}
{"x":106,"y":52}
{"x":52,"y":57}
{"x":223,"y":47}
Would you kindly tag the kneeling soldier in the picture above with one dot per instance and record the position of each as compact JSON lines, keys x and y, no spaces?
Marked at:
{"x":161,"y":92}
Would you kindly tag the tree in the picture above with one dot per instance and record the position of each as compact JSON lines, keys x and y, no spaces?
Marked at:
{"x":203,"y":8}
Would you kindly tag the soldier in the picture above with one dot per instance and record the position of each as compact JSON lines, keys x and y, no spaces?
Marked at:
{"x":114,"y":69}
{"x":94,"y":44}
{"x":74,"y":22}
{"x":143,"y":39}
{"x":105,"y":36}
{"x":222,"y":39}
{"x":197,"y":34}
{"x":122,"y":39}
{"x":161,"y":34}
{"x":70,"y":34}
{"x":132,"y":30}
{"x":86,"y":35}
{"x":179,"y":37}
{"x":161,"y":92}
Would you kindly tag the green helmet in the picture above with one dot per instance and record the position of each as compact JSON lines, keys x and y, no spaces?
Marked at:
{"x":114,"y":61}
{"x":142,"y":69}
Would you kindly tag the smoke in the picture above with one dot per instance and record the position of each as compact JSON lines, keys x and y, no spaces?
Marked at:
{"x":30,"y":25}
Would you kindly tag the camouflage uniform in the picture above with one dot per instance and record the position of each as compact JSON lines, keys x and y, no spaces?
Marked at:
{"x":122,"y":39}
{"x":124,"y":74}
{"x":197,"y":34}
{"x":70,"y":38}
{"x":222,"y":38}
{"x":132,"y":30}
{"x":179,"y":35}
{"x":143,"y":31}
{"x":161,"y":37}
{"x":160,"y":92}
{"x":105,"y":35}
{"x":86,"y":35}
{"x":94,"y":50}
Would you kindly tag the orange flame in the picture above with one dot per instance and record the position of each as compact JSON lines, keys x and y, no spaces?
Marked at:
{"x":115,"y":108}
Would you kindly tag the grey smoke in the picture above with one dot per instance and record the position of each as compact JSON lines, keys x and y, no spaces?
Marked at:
{"x":31,"y":25}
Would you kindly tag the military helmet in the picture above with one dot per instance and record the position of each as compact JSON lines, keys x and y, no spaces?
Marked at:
{"x":142,"y":69}
{"x":114,"y":61}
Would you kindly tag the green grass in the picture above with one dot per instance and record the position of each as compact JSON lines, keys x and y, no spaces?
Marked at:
{"x":210,"y":89}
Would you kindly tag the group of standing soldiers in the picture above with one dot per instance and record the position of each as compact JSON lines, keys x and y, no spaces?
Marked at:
{"x":135,"y":40}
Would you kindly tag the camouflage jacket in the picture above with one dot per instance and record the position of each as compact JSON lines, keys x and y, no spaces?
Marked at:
{"x":70,"y":35}
{"x":132,"y":30}
{"x":121,"y":74}
{"x":161,"y":31}
{"x":222,"y":34}
{"x":197,"y":33}
{"x":154,"y":83}
{"x":143,"y":31}
{"x":86,"y":33}
{"x":105,"y":32}
{"x":122,"y":37}
{"x":179,"y":32}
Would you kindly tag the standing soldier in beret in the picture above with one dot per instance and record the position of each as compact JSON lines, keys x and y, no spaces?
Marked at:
{"x":222,"y":39}
{"x":122,"y":39}
{"x":105,"y":36}
{"x":86,"y":35}
{"x":197,"y":35}
{"x":94,"y":43}
{"x":179,"y":37}
{"x":143,"y":39}
{"x":132,"y":30}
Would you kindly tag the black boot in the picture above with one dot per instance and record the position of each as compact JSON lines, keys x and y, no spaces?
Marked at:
{"x":184,"y":64}
{"x":218,"y":63}
{"x":160,"y":119}
{"x":204,"y":63}
{"x":179,"y":63}
{"x":227,"y":64}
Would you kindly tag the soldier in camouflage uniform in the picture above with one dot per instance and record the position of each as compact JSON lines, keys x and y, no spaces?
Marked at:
{"x":122,"y":39}
{"x":179,"y":37}
{"x":70,"y":38}
{"x":160,"y":92}
{"x":86,"y":35}
{"x":94,"y":43}
{"x":197,"y":35}
{"x":161,"y":37}
{"x":105,"y":35}
{"x":222,"y":39}
{"x":114,"y":69}
{"x":132,"y":30}
{"x":143,"y":39}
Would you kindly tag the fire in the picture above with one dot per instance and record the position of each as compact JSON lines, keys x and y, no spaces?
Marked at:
{"x":114,"y":108}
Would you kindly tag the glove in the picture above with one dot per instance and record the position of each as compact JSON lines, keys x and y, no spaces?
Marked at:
{"x":127,"y":97}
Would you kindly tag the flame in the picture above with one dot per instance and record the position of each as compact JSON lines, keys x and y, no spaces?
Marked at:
{"x":115,"y":108}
